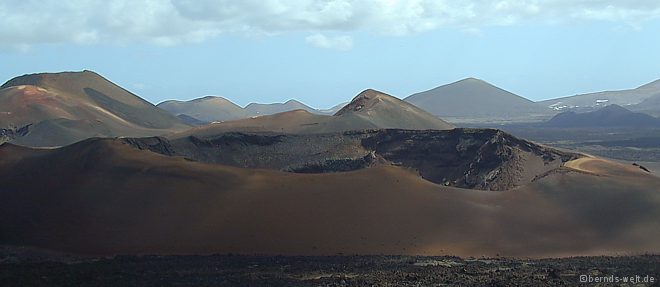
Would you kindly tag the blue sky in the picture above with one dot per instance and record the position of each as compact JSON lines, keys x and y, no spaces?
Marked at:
{"x":325,"y":52}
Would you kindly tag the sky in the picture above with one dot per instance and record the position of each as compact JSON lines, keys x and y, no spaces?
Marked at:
{"x":325,"y":52}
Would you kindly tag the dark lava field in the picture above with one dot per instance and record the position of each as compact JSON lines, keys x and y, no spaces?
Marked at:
{"x":228,"y":270}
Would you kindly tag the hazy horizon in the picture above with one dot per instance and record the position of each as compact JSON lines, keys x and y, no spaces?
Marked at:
{"x":324,"y":52}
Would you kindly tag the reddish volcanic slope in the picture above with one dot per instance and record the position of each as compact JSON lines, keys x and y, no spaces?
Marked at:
{"x":82,"y":105}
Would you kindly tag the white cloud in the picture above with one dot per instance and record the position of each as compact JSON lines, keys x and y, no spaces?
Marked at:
{"x":341,"y":43}
{"x":170,"y":22}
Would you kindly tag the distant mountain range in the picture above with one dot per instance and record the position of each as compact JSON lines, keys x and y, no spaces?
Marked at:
{"x":370,"y":109}
{"x":215,"y":109}
{"x":466,"y":101}
{"x":631,"y":98}
{"x":53,"y":109}
{"x":476,"y":101}
{"x":606,"y":117}
{"x":56,"y":109}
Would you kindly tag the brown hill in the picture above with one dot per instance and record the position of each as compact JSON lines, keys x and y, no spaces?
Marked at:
{"x":385,"y":111}
{"x":369,"y":110}
{"x":216,"y":109}
{"x":298,"y":121}
{"x":104,"y":197}
{"x":475,"y":100}
{"x":81,"y":104}
{"x":257,"y":109}
{"x":208,"y":109}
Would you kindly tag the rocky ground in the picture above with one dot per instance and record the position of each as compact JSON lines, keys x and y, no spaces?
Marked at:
{"x":227,"y":270}
{"x":485,"y":159}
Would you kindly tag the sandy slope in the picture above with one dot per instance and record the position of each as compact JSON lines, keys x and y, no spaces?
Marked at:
{"x":102,"y":197}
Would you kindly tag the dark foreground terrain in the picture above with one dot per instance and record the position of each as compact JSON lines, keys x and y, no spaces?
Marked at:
{"x":227,"y":270}
{"x":629,"y":144}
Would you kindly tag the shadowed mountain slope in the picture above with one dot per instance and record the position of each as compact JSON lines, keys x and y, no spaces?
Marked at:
{"x":190,"y":120}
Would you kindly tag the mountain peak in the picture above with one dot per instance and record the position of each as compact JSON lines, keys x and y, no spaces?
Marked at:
{"x":471,"y":82}
{"x":473,"y":98}
{"x":364,"y":101}
{"x":382,"y":110}
{"x":471,"y":79}
{"x":210,"y":98}
{"x":369,"y":92}
{"x":292,"y":101}
{"x":371,"y":95}
{"x":39,"y":79}
{"x":42,"y":79}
